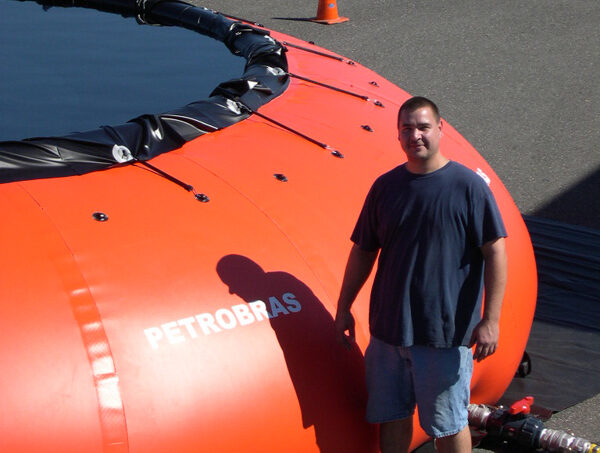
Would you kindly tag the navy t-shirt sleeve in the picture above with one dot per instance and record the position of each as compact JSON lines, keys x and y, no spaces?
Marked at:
{"x":365,"y":231}
{"x":486,"y":221}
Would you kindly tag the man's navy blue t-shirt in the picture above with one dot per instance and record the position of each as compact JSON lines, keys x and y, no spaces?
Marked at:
{"x":429,"y":282}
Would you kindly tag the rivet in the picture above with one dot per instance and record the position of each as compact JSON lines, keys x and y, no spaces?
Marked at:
{"x":366,"y":127}
{"x":375,"y":84}
{"x":378,"y":104}
{"x":100,"y":216}
{"x":336,"y":153}
{"x":280,"y":177}
{"x":202,"y":198}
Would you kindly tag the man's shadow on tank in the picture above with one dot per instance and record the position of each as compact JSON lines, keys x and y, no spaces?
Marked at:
{"x":328,"y":378}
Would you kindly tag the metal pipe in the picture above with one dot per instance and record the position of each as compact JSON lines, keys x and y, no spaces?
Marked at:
{"x":562,"y":442}
{"x":525,"y":429}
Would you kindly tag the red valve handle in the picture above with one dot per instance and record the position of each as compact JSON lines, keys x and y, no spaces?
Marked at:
{"x":522,"y":406}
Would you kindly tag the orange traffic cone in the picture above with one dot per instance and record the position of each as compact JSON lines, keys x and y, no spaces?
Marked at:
{"x":327,"y":13}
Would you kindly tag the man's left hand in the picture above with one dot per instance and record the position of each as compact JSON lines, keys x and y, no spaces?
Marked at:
{"x":485,"y":337}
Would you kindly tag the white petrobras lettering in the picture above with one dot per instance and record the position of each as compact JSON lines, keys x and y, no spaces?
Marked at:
{"x":191,"y":327}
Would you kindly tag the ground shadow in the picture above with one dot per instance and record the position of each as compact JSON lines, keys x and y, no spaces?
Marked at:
{"x":328,"y":378}
{"x":579,"y":205}
{"x":564,"y":343}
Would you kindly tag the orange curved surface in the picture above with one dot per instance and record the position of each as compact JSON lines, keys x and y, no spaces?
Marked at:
{"x":184,"y":326}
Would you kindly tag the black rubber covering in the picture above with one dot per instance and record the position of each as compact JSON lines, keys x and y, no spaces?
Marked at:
{"x":564,"y":344}
{"x":150,"y":135}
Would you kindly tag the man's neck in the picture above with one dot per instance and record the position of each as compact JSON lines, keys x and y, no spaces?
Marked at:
{"x":422,"y":167}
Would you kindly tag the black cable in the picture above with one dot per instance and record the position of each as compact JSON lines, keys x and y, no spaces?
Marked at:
{"x":331,"y":87}
{"x":317,"y":52}
{"x":242,"y":20}
{"x":334,"y":152}
{"x":199,"y":196}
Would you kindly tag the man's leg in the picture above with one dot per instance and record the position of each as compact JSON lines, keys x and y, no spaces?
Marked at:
{"x":442,"y":387}
{"x":457,"y":443}
{"x":395,"y":437}
{"x":391,"y":402}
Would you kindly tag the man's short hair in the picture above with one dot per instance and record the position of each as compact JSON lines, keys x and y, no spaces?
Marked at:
{"x":418,"y":102}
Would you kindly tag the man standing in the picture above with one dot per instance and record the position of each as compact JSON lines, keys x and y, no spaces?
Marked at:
{"x":440,"y":238}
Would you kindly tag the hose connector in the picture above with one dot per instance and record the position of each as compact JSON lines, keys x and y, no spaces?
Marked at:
{"x":516,"y":424}
{"x":558,"y":441}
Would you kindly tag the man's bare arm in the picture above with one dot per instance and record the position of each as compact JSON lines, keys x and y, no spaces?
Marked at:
{"x":486,"y":333}
{"x":358,"y":268}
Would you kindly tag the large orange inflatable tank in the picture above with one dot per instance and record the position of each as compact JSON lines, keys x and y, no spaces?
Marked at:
{"x":137,"y":319}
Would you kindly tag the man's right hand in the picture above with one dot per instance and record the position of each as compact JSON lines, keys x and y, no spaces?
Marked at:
{"x":344,"y":322}
{"x":358,"y":268}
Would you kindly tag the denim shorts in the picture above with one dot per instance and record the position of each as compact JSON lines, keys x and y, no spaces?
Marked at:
{"x":438,"y":380}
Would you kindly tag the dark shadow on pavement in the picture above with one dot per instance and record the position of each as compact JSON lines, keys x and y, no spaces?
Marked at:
{"x":579,"y":205}
{"x":564,"y":343}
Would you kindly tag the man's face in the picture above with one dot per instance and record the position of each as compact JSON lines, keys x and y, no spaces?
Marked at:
{"x":419,"y":133}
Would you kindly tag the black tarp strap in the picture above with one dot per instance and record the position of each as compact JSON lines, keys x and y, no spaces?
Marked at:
{"x":317,"y":52}
{"x":229,"y":16}
{"x":166,"y":175}
{"x":331,"y":87}
{"x":334,"y":152}
{"x":199,"y":196}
